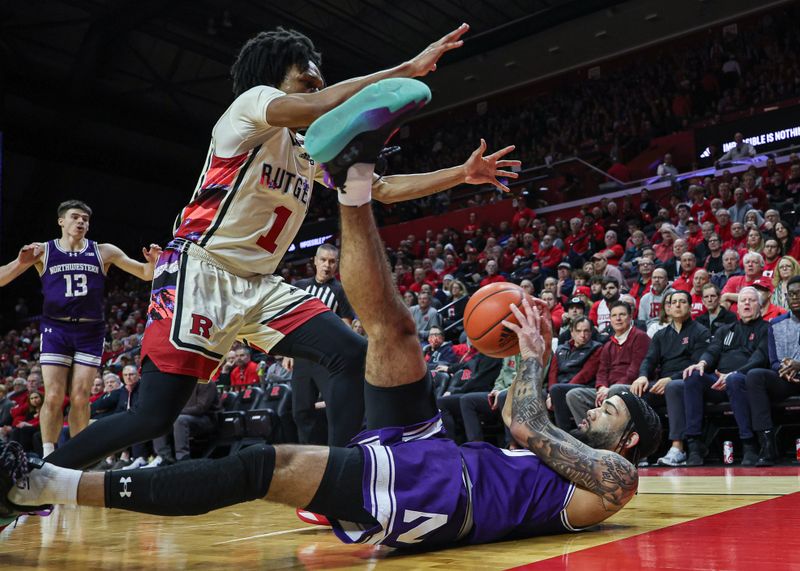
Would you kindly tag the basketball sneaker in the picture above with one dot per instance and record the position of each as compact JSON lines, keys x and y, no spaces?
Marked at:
{"x":357,"y":130}
{"x":312,"y":518}
{"x":15,"y":466}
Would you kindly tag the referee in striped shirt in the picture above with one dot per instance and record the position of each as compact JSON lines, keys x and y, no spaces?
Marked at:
{"x":310,"y":379}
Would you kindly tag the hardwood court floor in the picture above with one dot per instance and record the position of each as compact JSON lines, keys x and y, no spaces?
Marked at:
{"x":729,"y":518}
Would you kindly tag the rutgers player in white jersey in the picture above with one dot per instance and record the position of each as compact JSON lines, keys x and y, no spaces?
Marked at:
{"x":214,"y":284}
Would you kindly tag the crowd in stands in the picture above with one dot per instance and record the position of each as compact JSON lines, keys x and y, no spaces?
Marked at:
{"x":609,"y":119}
{"x":688,"y":298}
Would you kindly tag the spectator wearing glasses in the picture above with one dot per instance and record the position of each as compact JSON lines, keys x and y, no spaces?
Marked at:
{"x":713,"y":260}
{"x":438,"y":351}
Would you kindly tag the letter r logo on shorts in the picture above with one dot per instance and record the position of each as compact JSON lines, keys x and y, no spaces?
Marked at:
{"x":201,"y":325}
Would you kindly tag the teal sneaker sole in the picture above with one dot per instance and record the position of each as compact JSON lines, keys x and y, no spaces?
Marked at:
{"x":372,"y":108}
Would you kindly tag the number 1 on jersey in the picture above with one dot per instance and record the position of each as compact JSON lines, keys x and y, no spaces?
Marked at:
{"x":269,"y":240}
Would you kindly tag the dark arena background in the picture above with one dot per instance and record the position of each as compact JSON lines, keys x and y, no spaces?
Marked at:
{"x":658,"y":142}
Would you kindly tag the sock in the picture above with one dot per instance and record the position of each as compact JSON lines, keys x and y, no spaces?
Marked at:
{"x":193,"y":487}
{"x":48,"y":484}
{"x":47,"y":449}
{"x":357,"y":188}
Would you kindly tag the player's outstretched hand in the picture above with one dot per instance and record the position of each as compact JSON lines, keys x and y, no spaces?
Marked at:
{"x":29,"y":253}
{"x":531,"y":342}
{"x":152,"y":254}
{"x":481,"y":169}
{"x":425,"y":61}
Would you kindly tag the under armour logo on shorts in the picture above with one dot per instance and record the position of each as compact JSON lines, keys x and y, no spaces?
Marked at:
{"x":125,"y":493}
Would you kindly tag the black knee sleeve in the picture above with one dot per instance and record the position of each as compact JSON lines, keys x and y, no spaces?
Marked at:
{"x":403,"y":405}
{"x":194,"y":487}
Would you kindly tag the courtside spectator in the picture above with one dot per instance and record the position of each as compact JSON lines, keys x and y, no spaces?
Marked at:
{"x":650,"y":304}
{"x":438,"y":351}
{"x":730,"y":269}
{"x":425,"y":316}
{"x":575,"y":364}
{"x":245,"y":372}
{"x":753,"y":267}
{"x":786,"y":270}
{"x":719,"y":375}
{"x":620,"y":360}
{"x":715,"y":315}
{"x":477,"y":405}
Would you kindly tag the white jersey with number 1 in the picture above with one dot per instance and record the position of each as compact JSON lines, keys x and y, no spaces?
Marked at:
{"x":253,"y":193}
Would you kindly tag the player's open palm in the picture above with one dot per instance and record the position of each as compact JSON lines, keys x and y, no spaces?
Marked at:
{"x":531,"y":342}
{"x":488,"y":169}
{"x":425,"y":61}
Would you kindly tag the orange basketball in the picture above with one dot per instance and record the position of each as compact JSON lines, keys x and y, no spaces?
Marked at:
{"x":486,"y":310}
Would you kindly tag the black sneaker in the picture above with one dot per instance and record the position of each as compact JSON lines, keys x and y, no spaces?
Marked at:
{"x":15,"y":465}
{"x":697,"y":453}
{"x":357,"y":130}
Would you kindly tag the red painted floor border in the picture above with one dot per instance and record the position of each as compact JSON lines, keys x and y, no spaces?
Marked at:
{"x":721,"y":471}
{"x":759,"y":536}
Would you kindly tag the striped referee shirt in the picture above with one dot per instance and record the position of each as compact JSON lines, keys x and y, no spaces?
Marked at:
{"x":331,"y":293}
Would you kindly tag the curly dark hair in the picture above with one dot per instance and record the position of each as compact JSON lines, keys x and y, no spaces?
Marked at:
{"x":266,"y":58}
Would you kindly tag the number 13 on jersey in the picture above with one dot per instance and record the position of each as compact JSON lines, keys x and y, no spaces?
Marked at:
{"x":269,"y":241}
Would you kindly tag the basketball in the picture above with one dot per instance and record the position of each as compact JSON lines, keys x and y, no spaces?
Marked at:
{"x":485,"y":312}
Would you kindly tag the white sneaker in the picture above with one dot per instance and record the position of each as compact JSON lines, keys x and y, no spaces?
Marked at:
{"x":138,"y":463}
{"x":674,"y":457}
{"x":155,"y":462}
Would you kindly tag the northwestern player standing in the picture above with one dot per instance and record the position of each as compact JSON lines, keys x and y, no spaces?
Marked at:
{"x":73,"y":271}
{"x":309,"y":377}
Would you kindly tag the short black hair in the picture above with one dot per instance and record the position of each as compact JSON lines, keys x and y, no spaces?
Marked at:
{"x":266,"y":58}
{"x":793,"y":280}
{"x":682,"y":292}
{"x":609,"y":280}
{"x":70,"y":204}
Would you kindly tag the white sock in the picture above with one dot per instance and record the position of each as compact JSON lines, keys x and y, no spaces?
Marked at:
{"x":358,"y":186}
{"x":47,"y":449}
{"x":49,"y":484}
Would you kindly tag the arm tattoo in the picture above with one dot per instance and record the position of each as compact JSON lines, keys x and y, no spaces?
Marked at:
{"x":602,"y":472}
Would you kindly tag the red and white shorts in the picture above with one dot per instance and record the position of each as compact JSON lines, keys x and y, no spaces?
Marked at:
{"x":198,"y":309}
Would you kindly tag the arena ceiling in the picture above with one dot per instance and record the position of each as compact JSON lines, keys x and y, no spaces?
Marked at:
{"x":165,"y":63}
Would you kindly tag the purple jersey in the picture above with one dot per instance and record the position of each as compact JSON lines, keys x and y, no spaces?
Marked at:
{"x":425,"y":491}
{"x":73,"y":283}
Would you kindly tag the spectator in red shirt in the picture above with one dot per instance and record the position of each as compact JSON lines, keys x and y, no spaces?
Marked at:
{"x":549,"y":256}
{"x":738,"y":239}
{"x":613,"y":249}
{"x":578,"y":241}
{"x":699,"y":281}
{"x":723,"y":227}
{"x":472,"y":226}
{"x":772,"y":255}
{"x":755,"y":196}
{"x":556,"y":310}
{"x":663,"y":249}
{"x":26,"y":421}
{"x":245,"y":372}
{"x":620,"y":359}
{"x":769,"y":310}
{"x":420,"y":278}
{"x":523,"y":212}
{"x":642,"y":284}
{"x":97,"y":389}
{"x":492,"y":276}
{"x":688,"y":268}
{"x":694,"y":235}
{"x":753,"y":268}
{"x":790,"y":245}
{"x":701,"y":206}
